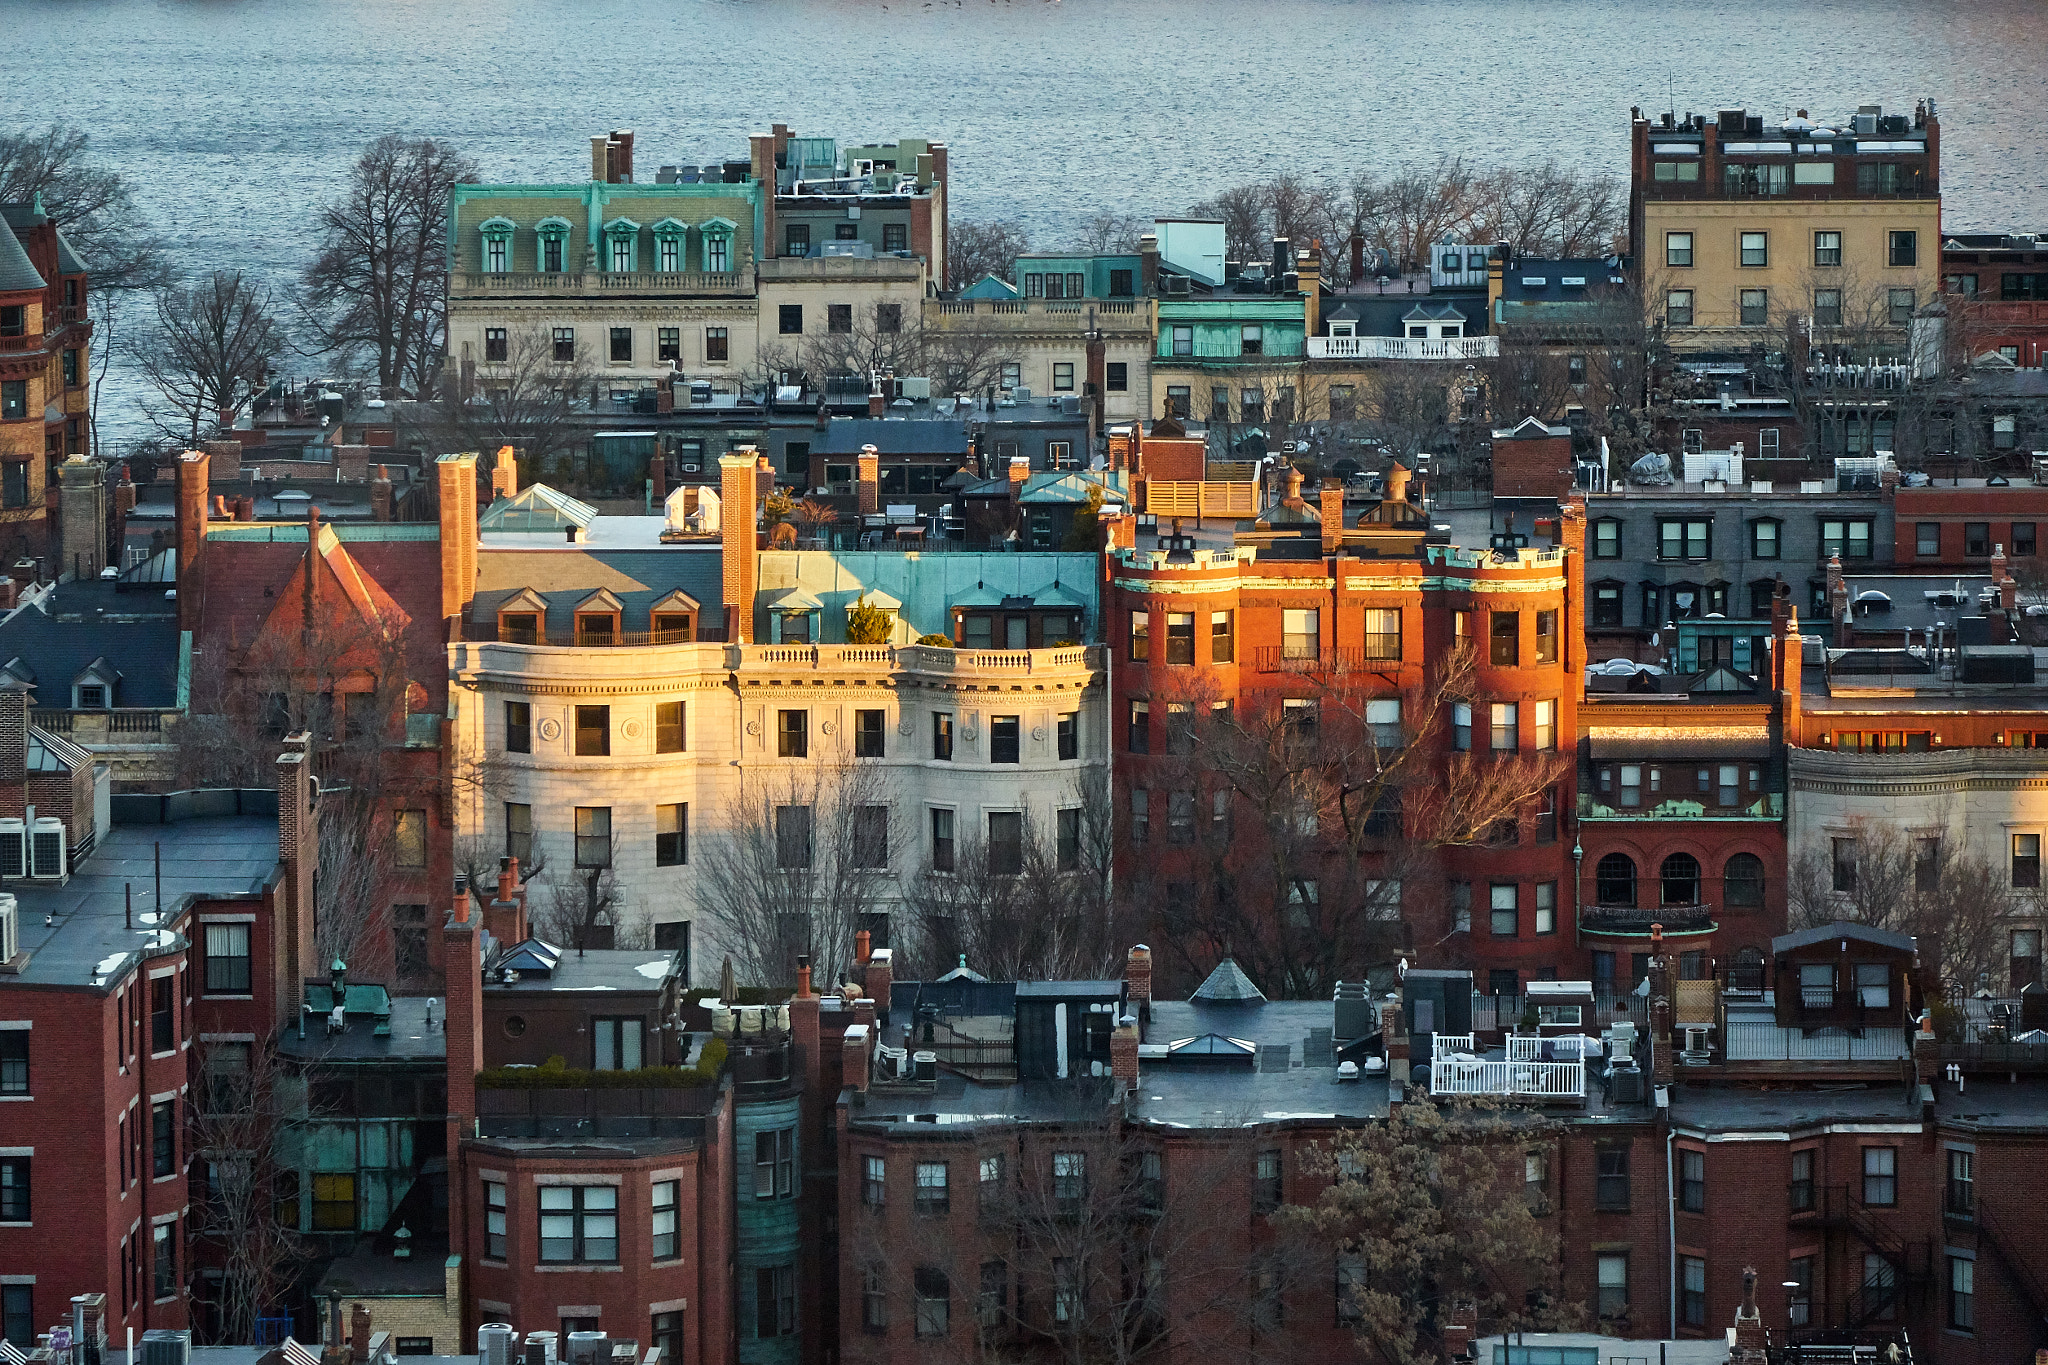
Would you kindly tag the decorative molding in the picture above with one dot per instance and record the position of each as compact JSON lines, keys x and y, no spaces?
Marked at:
{"x":630,"y":729}
{"x":549,"y":728}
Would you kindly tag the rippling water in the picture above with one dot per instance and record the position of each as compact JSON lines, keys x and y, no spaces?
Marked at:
{"x":233,"y":118}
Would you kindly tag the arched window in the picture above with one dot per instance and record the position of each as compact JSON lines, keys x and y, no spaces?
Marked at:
{"x":622,"y":246}
{"x":552,"y":236}
{"x":1681,"y":876}
{"x":497,"y":245}
{"x":1746,"y":973}
{"x":1742,"y":880}
{"x":1614,"y":880}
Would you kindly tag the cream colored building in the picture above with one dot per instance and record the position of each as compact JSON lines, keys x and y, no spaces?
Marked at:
{"x":1041,"y":345}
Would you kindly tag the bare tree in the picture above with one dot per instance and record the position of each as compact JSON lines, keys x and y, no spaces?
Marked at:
{"x":208,"y":353}
{"x":976,"y":247}
{"x":1959,"y":905}
{"x":958,"y":356}
{"x":576,"y":902}
{"x":1549,"y":210}
{"x":90,"y":204}
{"x":801,"y":865}
{"x":532,"y":401}
{"x":378,"y":284}
{"x":242,"y":1109}
{"x":1110,"y":233}
{"x":1430,"y":1217}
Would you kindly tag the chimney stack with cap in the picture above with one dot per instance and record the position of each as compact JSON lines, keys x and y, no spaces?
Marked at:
{"x":868,"y":480}
{"x":1332,"y":512}
{"x":1138,"y":981}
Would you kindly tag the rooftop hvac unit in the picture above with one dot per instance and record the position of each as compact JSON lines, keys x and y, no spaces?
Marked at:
{"x":46,"y":849}
{"x":589,"y":1348}
{"x":13,"y":847}
{"x":161,"y":1346}
{"x":495,"y":1343}
{"x":1625,"y":1085}
{"x":10,"y":929}
{"x":541,"y":1348}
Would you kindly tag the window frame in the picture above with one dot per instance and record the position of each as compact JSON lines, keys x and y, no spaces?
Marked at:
{"x":1678,"y":245}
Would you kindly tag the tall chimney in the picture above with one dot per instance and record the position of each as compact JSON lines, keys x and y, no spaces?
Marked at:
{"x":1138,"y":980}
{"x":192,"y":516}
{"x":739,"y":517}
{"x":456,"y":484}
{"x":868,"y":480}
{"x":1332,"y":511}
{"x":82,"y":515}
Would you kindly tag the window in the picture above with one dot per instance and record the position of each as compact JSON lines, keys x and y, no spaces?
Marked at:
{"x":715,"y":344}
{"x":870,"y":837}
{"x":494,"y":343}
{"x":1461,"y":726}
{"x":1678,"y":248}
{"x":1141,"y":637}
{"x":1692,"y":1279}
{"x":1139,"y":733}
{"x":1962,"y":1284}
{"x":1827,"y":248}
{"x":839,"y":318}
{"x":227,"y":958}
{"x":1802,"y":1189}
{"x":1141,"y":815}
{"x":1976,"y":539}
{"x":1504,"y":919}
{"x":1763,"y":539}
{"x":1827,"y":308}
{"x":669,"y":734}
{"x":621,"y":344}
{"x":1546,"y":894}
{"x":1180,"y":637}
{"x":1613,"y":1287}
{"x":1067,"y":838}
{"x":565,"y":344}
{"x":1680,"y":876}
{"x":593,"y":730}
{"x":579,"y":1223}
{"x":1904,"y":248}
{"x":1960,"y":1199}
{"x":775,"y":1163}
{"x":519,"y":831}
{"x":1692,"y":1180}
{"x":1614,"y":880}
{"x":14,"y":1189}
{"x":668,"y":341}
{"x":792,"y":734}
{"x":615,"y":1043}
{"x":1178,"y":401}
{"x":1685,"y":539}
{"x":868,"y":728}
{"x":1899,"y":302}
{"x":942,"y":735}
{"x":672,"y":835}
{"x":895,"y":236}
{"x":1300,"y":633}
{"x":494,"y":1221}
{"x":793,"y":837}
{"x":1506,"y":638}
{"x":1063,"y":376}
{"x":931,"y":1194}
{"x":2026,"y":860}
{"x":1069,"y":1181}
{"x":774,"y":1301}
{"x":409,"y":838}
{"x":942,"y":841}
{"x":1005,"y":843}
{"x":1755,"y":307}
{"x":994,"y":1300}
{"x":162,"y":1034}
{"x":1546,"y":720}
{"x":1607,"y":538}
{"x":1068,"y":736}
{"x":1183,"y":340}
{"x":1678,"y":308}
{"x":1880,"y":1175}
{"x":1756,"y":248}
{"x":1252,"y":341}
{"x":934,"y":1301}
{"x":1849,"y":539}
{"x":1383,"y":719}
{"x":2023,"y":538}
{"x":14,"y":1060}
{"x":1382,"y":633}
{"x":667,"y":1336}
{"x":874,"y":1301}
{"x":1116,"y":376}
{"x":789,"y":319}
{"x":518,"y":727}
{"x":164,"y":1255}
{"x":1506,"y":729}
{"x":593,"y":836}
{"x":1742,"y":880}
{"x":874,"y":1192}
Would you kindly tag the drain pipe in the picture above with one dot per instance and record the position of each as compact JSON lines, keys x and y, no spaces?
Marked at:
{"x":1670,"y":1231}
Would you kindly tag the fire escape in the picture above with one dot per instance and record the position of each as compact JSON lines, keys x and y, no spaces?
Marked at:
{"x":1908,"y":1266}
{"x":2003,"y":1242}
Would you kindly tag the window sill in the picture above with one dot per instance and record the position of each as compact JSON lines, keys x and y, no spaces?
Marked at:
{"x":5,"y":1098}
{"x":10,"y":1223}
{"x":588,"y":1269}
{"x":490,"y":1264}
{"x":670,"y":1264}
{"x":159,"y":1056}
{"x":212,"y":996}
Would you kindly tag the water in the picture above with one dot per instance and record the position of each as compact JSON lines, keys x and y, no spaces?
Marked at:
{"x":233,"y":119}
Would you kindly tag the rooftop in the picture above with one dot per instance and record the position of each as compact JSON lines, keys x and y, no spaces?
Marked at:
{"x":410,"y":1039}
{"x":88,"y":943}
{"x":595,"y":969}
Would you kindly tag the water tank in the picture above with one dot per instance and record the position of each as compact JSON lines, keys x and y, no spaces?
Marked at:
{"x":495,"y":1342}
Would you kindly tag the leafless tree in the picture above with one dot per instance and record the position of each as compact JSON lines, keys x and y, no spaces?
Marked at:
{"x":976,"y":247}
{"x":89,"y":202}
{"x":1294,"y":828}
{"x":1430,"y":1215}
{"x":208,"y":352}
{"x":242,"y":1108}
{"x":1111,"y":233}
{"x":957,"y":355}
{"x":1959,"y":905}
{"x":801,"y":865}
{"x":531,"y":401}
{"x":378,"y":284}
{"x":1549,"y":210}
{"x":576,"y":902}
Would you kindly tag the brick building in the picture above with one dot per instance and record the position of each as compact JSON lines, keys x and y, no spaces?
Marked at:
{"x":45,"y":371}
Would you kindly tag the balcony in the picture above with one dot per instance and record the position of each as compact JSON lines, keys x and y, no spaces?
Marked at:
{"x":1629,"y":919}
{"x":1403,"y":348}
{"x":1052,"y":316}
{"x":915,"y":659}
{"x":564,"y":283}
{"x":1769,"y":806}
{"x":1456,"y":1068}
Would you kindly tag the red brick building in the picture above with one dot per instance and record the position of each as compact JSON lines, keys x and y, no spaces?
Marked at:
{"x":2001,"y":280}
{"x":45,"y":371}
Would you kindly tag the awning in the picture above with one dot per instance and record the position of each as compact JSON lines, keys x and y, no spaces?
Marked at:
{"x":1734,"y":742}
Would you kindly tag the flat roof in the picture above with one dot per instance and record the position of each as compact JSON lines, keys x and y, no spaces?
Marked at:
{"x":89,"y":943}
{"x":1727,"y":1109}
{"x":410,"y":1040}
{"x":595,"y":969}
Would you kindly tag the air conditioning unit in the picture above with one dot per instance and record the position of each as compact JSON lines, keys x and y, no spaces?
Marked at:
{"x":13,"y":847}
{"x":46,"y":849}
{"x":589,"y":1348}
{"x":161,"y":1346}
{"x":1625,"y":1085}
{"x":496,"y":1343}
{"x":10,"y":929}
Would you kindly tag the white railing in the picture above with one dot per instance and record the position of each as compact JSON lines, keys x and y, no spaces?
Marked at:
{"x":1403,"y":348}
{"x":1522,"y":1048}
{"x":1516,"y":1079}
{"x":922,"y":658}
{"x":1444,"y":1045}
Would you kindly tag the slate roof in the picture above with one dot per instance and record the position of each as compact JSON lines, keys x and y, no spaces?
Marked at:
{"x":928,"y":436}
{"x":1828,"y":933}
{"x":1532,"y":281}
{"x":565,"y":575}
{"x":67,"y":259}
{"x":17,"y":272}
{"x":1383,"y":315}
{"x":136,"y":631}
{"x":1228,"y":983}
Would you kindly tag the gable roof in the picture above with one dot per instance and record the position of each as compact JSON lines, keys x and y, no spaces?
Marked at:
{"x":1840,"y":929}
{"x":17,"y":272}
{"x":991,"y":287}
{"x":557,"y":578}
{"x":1228,"y":984}
{"x":339,"y":590}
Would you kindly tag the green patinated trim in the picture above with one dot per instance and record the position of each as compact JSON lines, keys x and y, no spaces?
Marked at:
{"x":1644,"y":933}
{"x":294,"y":533}
{"x":184,"y":671}
{"x":597,"y":198}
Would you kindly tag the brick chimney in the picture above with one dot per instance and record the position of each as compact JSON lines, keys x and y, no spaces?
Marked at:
{"x":1394,"y":1040}
{"x":380,"y":495}
{"x":1019,"y":470}
{"x":1926,"y":1050}
{"x":2002,"y":579}
{"x":226,"y":460}
{"x":82,"y":517}
{"x":861,"y":940}
{"x":1138,"y":981}
{"x":505,"y":916}
{"x":1123,"y":1056}
{"x":13,"y":733}
{"x":878,"y":404}
{"x":462,"y":961}
{"x":867,"y":468}
{"x":739,"y":521}
{"x":352,"y":464}
{"x":853,"y":1056}
{"x":1663,"y":987}
{"x":1838,"y":602}
{"x":803,"y":1026}
{"x":1332,"y":511}
{"x":879,"y":977}
{"x":504,"y":474}
{"x":1459,"y":1324}
{"x":456,"y":484}
{"x":1747,"y":1343}
{"x":1357,"y":259}
{"x":1148,"y":265}
{"x":358,"y":1333}
{"x":191,"y":523}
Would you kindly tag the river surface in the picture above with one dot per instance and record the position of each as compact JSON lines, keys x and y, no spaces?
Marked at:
{"x":234,"y":119}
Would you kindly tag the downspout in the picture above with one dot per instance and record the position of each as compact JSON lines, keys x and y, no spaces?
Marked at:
{"x":1670,"y":1229}
{"x":146,"y":1289}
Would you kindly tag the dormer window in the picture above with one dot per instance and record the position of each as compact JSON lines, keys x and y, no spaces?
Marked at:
{"x":92,"y":697}
{"x":93,"y":688}
{"x":596,"y":627}
{"x":718,"y":233}
{"x":497,"y":243}
{"x":1343,"y":329}
{"x":622,"y":245}
{"x":669,"y":235}
{"x":553,"y":235}
{"x":519,"y":627}
{"x":673,"y":618}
